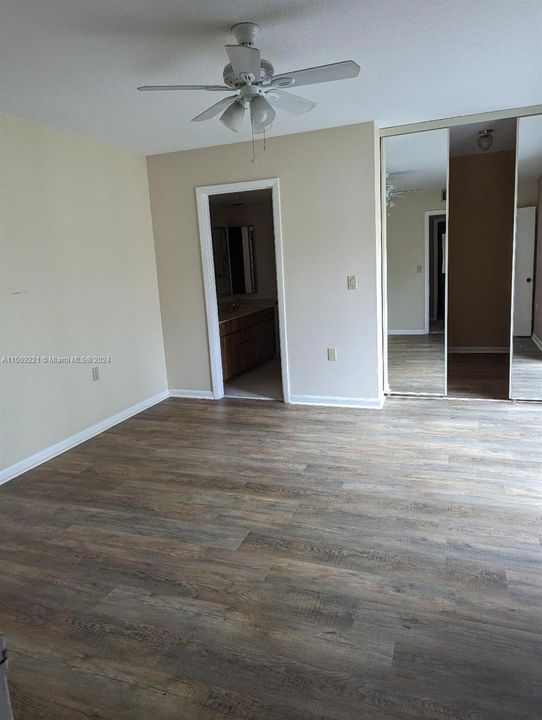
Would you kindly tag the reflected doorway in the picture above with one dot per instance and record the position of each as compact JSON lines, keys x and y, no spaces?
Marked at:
{"x":526,"y":355}
{"x":437,"y":273}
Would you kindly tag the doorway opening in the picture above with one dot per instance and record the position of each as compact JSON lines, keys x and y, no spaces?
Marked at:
{"x":437,"y":273}
{"x":244,"y":289}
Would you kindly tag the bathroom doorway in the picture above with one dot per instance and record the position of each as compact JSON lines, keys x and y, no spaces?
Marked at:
{"x":242,"y":260}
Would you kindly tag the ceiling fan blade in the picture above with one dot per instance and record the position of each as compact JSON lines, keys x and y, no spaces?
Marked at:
{"x":322,"y":73}
{"x":289,"y":102}
{"x":261,"y":112}
{"x":215,"y":109}
{"x":245,"y":60}
{"x":215,"y":88}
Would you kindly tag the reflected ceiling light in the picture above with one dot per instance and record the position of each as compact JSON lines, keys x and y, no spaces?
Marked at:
{"x":233,"y":116}
{"x":485,"y":139}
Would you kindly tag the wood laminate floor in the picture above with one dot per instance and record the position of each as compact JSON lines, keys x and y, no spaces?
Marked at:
{"x":416,"y":363}
{"x":526,"y":370}
{"x":257,"y":561}
{"x":478,"y":375}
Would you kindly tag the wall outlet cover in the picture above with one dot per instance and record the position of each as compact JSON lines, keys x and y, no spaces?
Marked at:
{"x":331,"y":354}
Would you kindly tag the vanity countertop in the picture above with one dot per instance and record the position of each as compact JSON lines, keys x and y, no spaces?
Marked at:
{"x":228,"y":313}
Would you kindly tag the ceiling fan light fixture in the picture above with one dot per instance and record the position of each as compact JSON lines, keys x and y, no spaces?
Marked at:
{"x":261,"y":112}
{"x":485,"y":139}
{"x":233,"y":116}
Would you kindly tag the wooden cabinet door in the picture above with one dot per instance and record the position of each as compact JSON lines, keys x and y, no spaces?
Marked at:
{"x":225,"y":350}
{"x":265,"y":341}
{"x":248,"y":345}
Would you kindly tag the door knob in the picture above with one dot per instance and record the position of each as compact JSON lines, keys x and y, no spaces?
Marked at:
{"x":529,"y":279}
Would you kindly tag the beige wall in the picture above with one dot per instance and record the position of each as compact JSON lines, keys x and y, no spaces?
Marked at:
{"x":77,"y":276}
{"x":260,"y":216}
{"x":480,"y":234}
{"x":328,"y":188}
{"x":405,"y":238}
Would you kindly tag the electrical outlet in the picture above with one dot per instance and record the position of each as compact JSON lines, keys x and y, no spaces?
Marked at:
{"x":95,"y":374}
{"x":331,"y":354}
{"x":352,"y":282}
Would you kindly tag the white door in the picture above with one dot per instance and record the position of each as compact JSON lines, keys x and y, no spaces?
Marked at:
{"x":523,"y":273}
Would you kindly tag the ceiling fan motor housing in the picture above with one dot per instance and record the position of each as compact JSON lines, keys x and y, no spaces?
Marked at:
{"x":246,"y":33}
{"x":266,"y":75}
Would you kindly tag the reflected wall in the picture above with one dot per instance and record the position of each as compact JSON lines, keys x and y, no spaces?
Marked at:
{"x":416,"y":168}
{"x":526,"y":355}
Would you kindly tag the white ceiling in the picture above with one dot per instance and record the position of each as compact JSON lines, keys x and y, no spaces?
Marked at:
{"x":417,"y":161}
{"x":529,"y":150}
{"x":75,"y":64}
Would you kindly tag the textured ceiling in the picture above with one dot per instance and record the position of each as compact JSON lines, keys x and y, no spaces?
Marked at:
{"x":417,"y":161}
{"x":75,"y":64}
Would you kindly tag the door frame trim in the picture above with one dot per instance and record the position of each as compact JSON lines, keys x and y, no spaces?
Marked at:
{"x":455,"y":120}
{"x":203,"y":194}
{"x":427,"y":236}
{"x":513,"y":268}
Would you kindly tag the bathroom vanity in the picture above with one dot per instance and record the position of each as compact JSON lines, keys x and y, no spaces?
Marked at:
{"x":247,"y":337}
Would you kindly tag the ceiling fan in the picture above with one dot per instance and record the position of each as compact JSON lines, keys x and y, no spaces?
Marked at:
{"x":256,"y":86}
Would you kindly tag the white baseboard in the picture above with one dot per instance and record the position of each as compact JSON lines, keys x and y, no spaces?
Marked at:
{"x":537,"y":341}
{"x":408,"y":332}
{"x":334,"y":401}
{"x":52,"y":451}
{"x":61,"y":447}
{"x":198,"y":394}
{"x":469,"y":349}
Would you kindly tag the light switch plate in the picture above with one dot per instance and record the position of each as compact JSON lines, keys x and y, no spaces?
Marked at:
{"x":419,"y":269}
{"x":352,"y":282}
{"x":331,"y":354}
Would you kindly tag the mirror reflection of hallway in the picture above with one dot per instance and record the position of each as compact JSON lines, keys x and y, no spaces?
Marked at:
{"x":416,"y":170}
{"x":526,"y":371}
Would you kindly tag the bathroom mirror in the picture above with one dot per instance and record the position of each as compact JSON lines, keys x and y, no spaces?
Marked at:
{"x":526,"y":354}
{"x":233,"y":252}
{"x":416,"y":170}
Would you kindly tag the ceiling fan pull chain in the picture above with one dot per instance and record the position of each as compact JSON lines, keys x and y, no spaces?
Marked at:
{"x":253,"y":143}
{"x":264,"y":140}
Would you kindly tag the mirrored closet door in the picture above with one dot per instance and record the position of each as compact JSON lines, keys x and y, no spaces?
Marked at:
{"x":481,"y":213}
{"x":415,"y":251}
{"x":526,"y":347}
